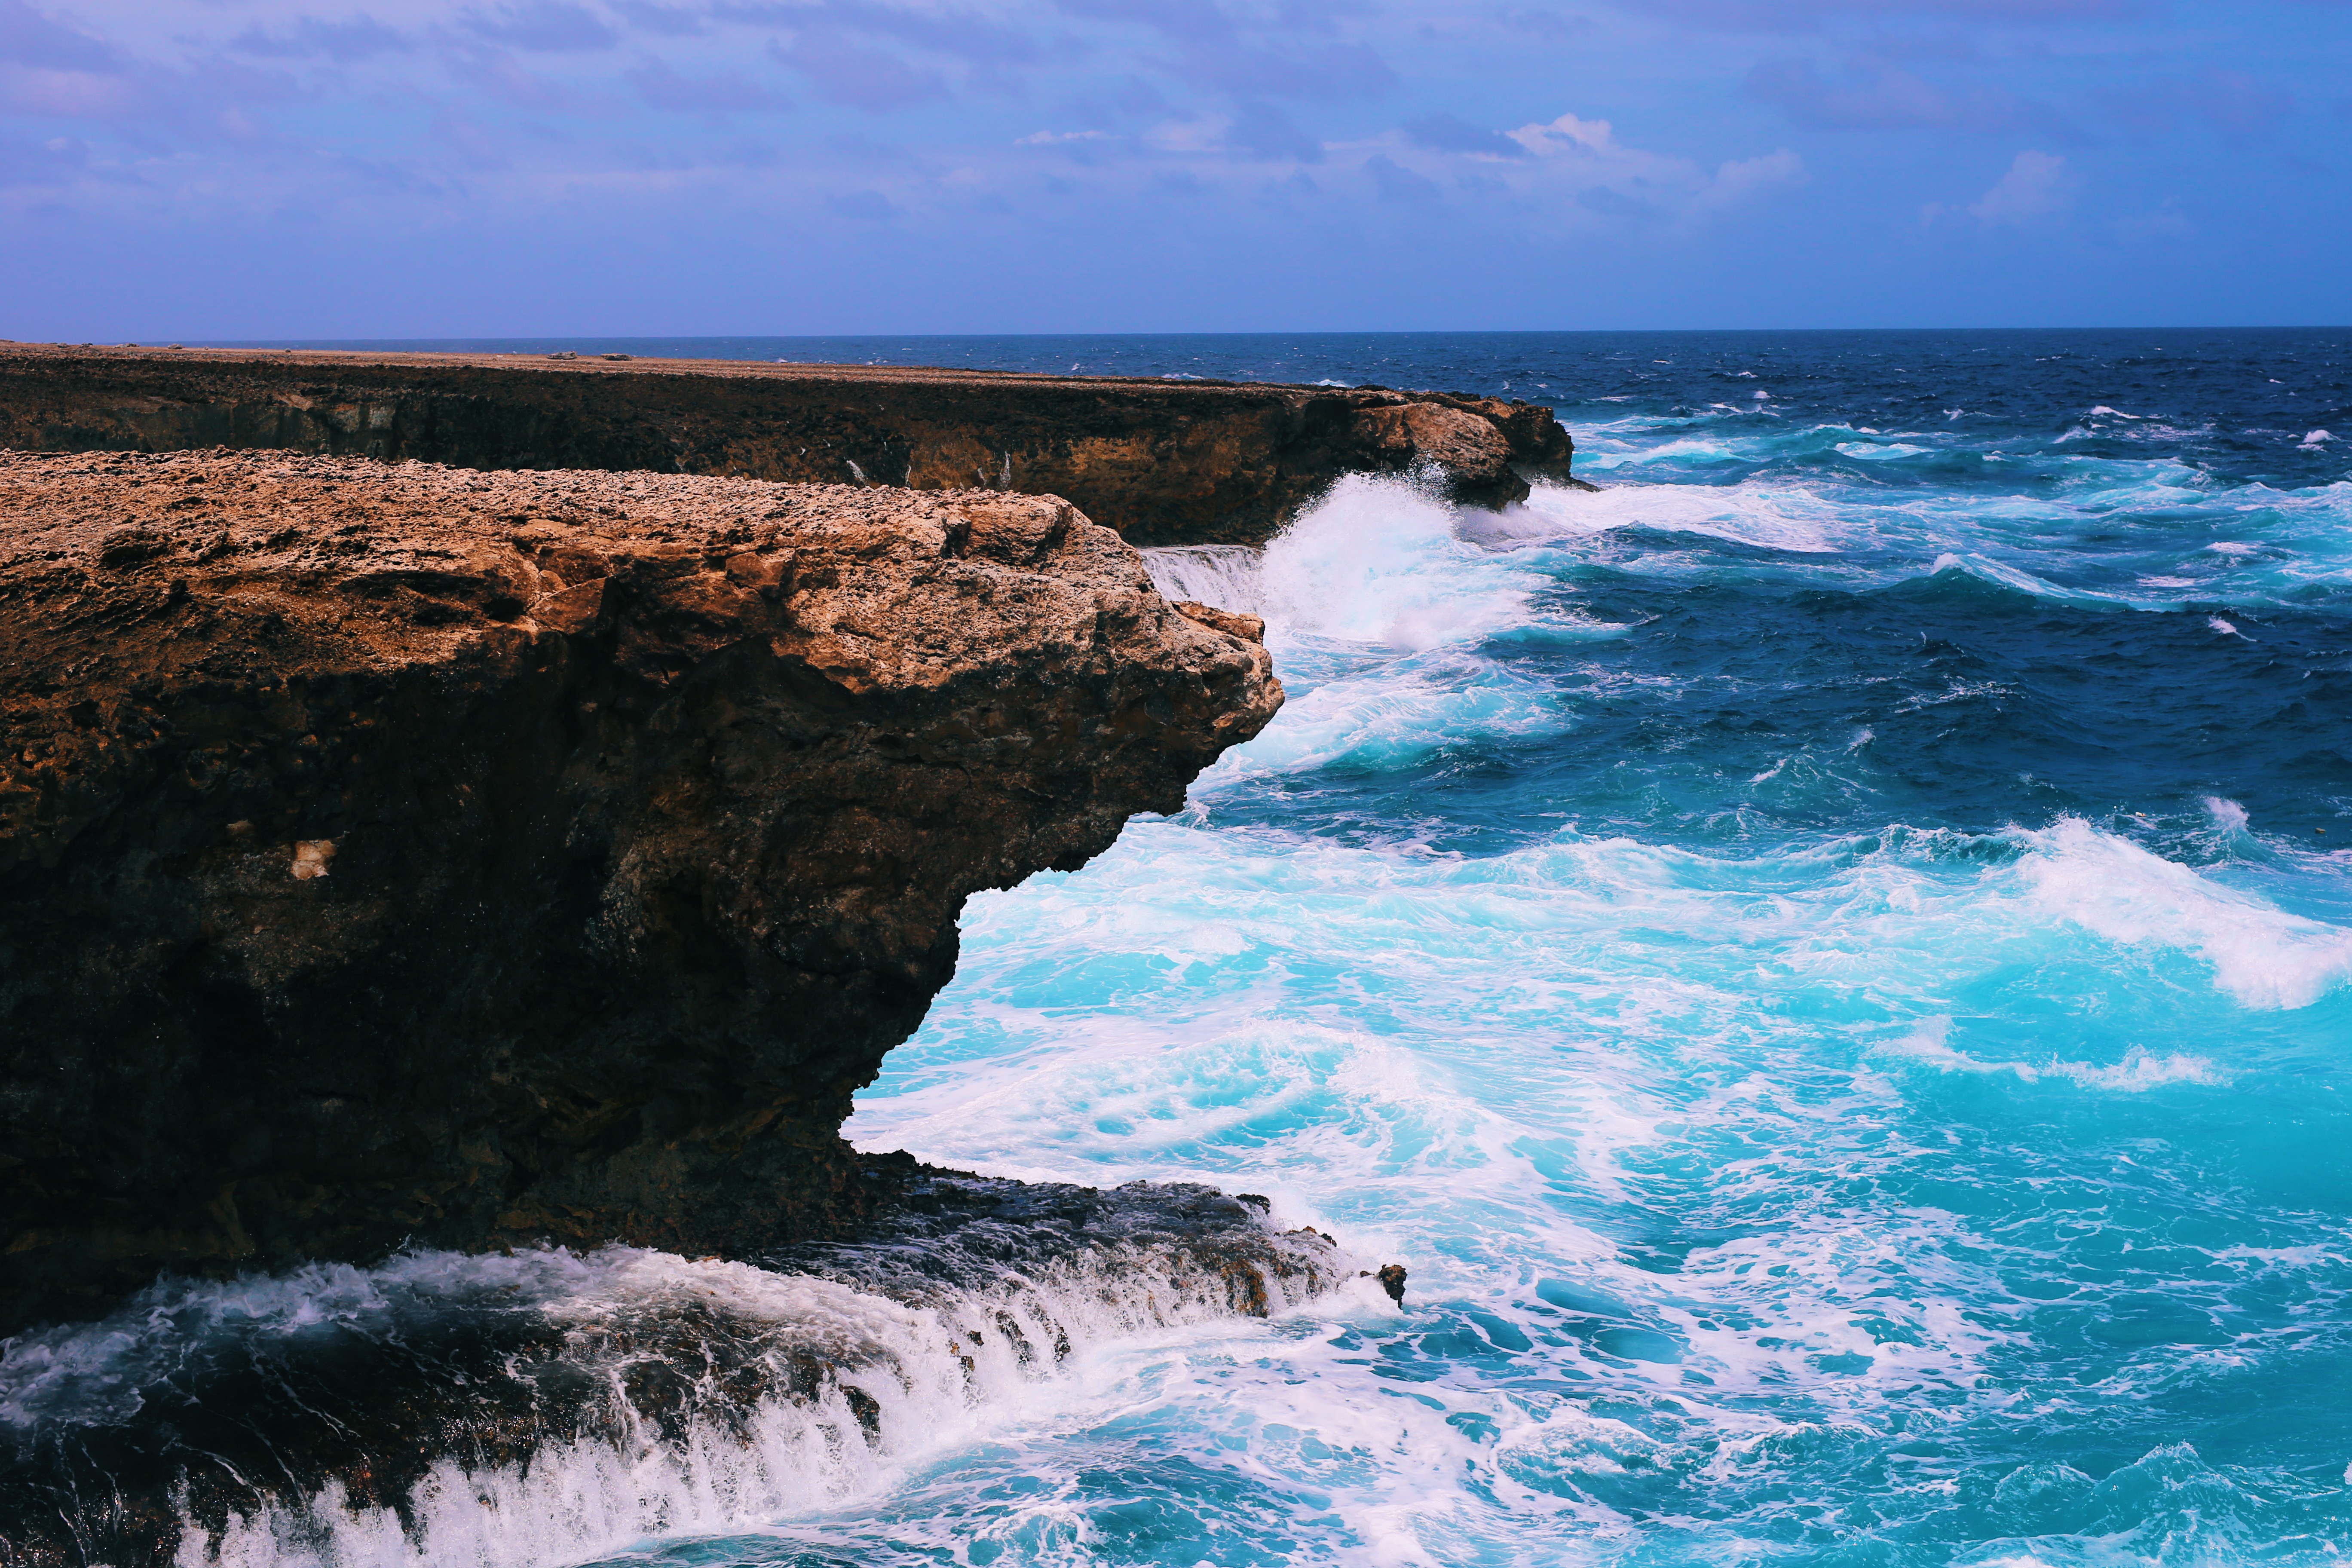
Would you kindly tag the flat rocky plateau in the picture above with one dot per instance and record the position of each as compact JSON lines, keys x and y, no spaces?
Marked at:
{"x":390,"y":852}
{"x":1162,"y":462}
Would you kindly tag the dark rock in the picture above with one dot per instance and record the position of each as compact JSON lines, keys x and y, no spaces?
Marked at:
{"x":1391,"y":1277}
{"x":213,"y":1407}
{"x":400,"y":853}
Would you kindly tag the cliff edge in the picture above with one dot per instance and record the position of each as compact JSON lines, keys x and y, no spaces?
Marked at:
{"x":1162,"y":462}
{"x":403,"y":853}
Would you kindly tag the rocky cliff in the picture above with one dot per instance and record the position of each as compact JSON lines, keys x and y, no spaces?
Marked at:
{"x":399,"y":852}
{"x":1162,"y":462}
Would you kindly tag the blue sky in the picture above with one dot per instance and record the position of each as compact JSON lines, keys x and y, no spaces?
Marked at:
{"x":277,"y":168}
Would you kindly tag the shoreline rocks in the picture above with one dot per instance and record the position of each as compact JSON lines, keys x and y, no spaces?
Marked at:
{"x":1162,"y":462}
{"x":336,"y":1407}
{"x":401,"y":854}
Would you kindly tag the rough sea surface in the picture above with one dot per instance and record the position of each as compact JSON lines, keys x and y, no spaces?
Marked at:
{"x":1829,"y":960}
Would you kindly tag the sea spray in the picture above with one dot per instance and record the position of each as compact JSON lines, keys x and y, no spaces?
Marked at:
{"x":1852,"y":1053}
{"x":545,"y":1407}
{"x":1842,"y":1085}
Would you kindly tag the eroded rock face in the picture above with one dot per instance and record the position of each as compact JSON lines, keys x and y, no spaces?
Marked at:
{"x":1161,"y":462}
{"x":399,"y":853}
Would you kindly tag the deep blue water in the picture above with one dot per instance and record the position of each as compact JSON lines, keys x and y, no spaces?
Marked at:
{"x":1831,"y":961}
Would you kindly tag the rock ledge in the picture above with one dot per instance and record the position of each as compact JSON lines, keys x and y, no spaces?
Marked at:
{"x":403,"y":853}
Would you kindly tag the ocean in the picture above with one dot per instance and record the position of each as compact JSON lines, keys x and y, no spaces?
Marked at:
{"x":1829,"y":960}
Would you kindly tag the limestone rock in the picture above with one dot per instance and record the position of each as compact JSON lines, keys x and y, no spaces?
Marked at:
{"x":397,"y":852}
{"x":1162,"y":462}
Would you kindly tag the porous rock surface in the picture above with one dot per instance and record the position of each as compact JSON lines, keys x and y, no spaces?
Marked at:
{"x":1161,"y":461}
{"x":400,"y":853}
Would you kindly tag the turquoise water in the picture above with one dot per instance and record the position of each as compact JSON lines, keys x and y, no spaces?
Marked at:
{"x":1829,"y":961}
{"x":1820,"y":958}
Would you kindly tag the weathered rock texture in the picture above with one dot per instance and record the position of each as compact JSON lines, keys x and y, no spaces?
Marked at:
{"x":1162,"y":462}
{"x":402,"y":852}
{"x":243,"y":1428}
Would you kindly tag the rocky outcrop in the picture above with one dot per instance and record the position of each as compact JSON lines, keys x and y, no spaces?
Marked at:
{"x":763,"y":1385}
{"x":1163,"y":462}
{"x":400,"y":853}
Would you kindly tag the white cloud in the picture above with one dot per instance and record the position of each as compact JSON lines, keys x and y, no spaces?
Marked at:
{"x":2037,"y":184}
{"x":1578,"y":168}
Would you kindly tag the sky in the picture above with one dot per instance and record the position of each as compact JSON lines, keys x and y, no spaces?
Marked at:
{"x":415,"y":168}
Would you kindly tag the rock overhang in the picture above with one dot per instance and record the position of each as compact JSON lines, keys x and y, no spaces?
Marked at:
{"x":392,"y":852}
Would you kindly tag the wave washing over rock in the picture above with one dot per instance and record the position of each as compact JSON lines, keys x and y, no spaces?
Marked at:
{"x":541,"y":1407}
{"x":1827,"y":958}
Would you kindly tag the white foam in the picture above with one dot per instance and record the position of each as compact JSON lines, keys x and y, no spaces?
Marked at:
{"x":2261,"y":955}
{"x":91,"y":1371}
{"x":1378,"y":560}
{"x":935,"y":1388}
{"x":1767,"y":516}
{"x":1229,"y":576}
{"x":2008,"y":576}
{"x":2136,"y":1073}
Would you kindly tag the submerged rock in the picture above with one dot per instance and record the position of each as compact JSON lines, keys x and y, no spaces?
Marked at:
{"x":402,"y":854}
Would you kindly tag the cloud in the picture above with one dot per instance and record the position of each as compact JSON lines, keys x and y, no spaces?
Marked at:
{"x":1396,"y":183}
{"x":1561,"y":169}
{"x":28,"y":38}
{"x":2234,"y":103}
{"x":1445,"y":133}
{"x":498,"y":75}
{"x":2166,"y":222}
{"x":1742,"y":178}
{"x":970,"y":38}
{"x":1554,"y":26}
{"x":719,"y":93}
{"x":1615,"y":203}
{"x":666,"y":21}
{"x":68,"y":94}
{"x":844,"y":71}
{"x":1267,"y":131}
{"x":1810,"y":15}
{"x":544,"y":26}
{"x":359,"y":39}
{"x":1870,"y":96}
{"x":1252,"y":58}
{"x":2037,"y":185}
{"x":867,"y":207}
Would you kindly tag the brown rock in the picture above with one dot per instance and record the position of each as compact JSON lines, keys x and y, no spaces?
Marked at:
{"x":403,"y":852}
{"x":1163,"y":462}
{"x":1233,"y":623}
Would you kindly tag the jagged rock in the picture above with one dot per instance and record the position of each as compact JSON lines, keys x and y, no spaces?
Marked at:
{"x":492,"y":1369}
{"x":396,"y":853}
{"x":1235,"y":623}
{"x":1163,"y":462}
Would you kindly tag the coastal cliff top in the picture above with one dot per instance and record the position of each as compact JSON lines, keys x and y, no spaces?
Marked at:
{"x":85,"y":354}
{"x":1161,"y":461}
{"x":104,"y":557}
